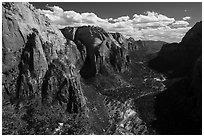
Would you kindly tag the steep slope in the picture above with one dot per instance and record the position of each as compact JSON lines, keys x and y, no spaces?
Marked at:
{"x":39,"y":67}
{"x":77,"y":80}
{"x":177,"y":59}
{"x":98,"y":49}
{"x":106,"y":76}
{"x":42,"y":70}
{"x":179,"y":108}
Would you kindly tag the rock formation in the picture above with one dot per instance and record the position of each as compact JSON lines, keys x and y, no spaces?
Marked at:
{"x":43,"y":64}
{"x":84,"y":80}
{"x":180,"y":106}
{"x":98,"y":49}
{"x":134,"y":45}
{"x":177,"y":59}
{"x":38,"y":62}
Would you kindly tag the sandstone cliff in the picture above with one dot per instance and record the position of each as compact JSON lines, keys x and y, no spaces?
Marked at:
{"x":99,"y":50}
{"x":37,"y":60}
{"x":44,"y":67}
{"x":39,"y":64}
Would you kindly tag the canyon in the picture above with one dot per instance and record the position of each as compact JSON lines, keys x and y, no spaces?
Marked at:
{"x":84,"y":80}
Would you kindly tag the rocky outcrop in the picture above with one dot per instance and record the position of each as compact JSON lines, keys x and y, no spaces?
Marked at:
{"x":99,"y":50}
{"x":37,"y":60}
{"x":179,"y":108}
{"x":44,"y":65}
{"x":134,"y":45}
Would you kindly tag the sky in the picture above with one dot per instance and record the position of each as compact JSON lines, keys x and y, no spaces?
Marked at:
{"x":164,"y":21}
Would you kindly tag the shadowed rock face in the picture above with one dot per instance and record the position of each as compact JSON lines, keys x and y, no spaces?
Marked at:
{"x":179,"y":108}
{"x":177,"y":59}
{"x":100,"y":50}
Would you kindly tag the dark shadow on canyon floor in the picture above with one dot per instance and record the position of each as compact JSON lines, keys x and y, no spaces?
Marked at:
{"x":176,"y":114}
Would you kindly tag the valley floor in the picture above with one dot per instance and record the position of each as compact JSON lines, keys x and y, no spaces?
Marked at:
{"x":130,"y":103}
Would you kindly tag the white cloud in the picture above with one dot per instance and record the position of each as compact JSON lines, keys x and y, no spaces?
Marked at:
{"x":123,"y":18}
{"x":149,"y":26}
{"x":186,"y":18}
{"x":167,"y":34}
{"x":179,"y":24}
{"x":151,"y":17}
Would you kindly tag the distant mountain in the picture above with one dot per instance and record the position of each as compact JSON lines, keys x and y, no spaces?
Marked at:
{"x":145,"y":49}
{"x":153,"y":46}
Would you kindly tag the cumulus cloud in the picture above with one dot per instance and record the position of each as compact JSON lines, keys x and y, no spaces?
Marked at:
{"x":123,"y":18}
{"x":151,"y":17}
{"x":167,"y":34}
{"x":186,"y":18}
{"x":147,"y":26}
{"x":179,"y":24}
